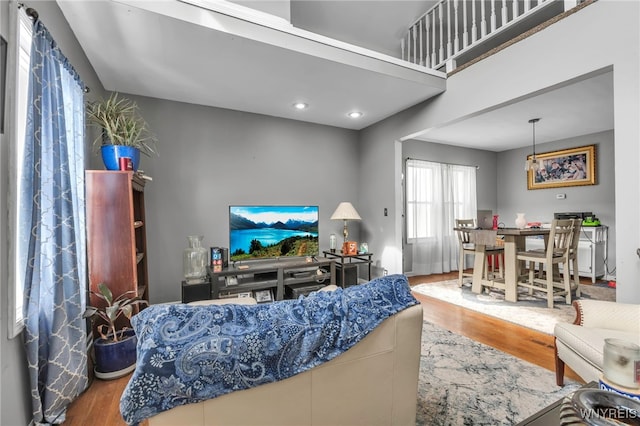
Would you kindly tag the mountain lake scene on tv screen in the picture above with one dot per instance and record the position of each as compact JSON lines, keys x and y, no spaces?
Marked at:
{"x":257,"y":232}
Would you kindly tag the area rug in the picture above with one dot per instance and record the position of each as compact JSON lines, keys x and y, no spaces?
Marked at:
{"x":463,"y":382}
{"x":529,"y":311}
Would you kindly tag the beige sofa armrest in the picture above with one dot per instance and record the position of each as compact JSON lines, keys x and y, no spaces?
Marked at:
{"x":608,"y":315}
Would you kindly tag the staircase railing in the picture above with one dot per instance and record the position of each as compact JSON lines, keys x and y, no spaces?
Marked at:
{"x":454,"y":27}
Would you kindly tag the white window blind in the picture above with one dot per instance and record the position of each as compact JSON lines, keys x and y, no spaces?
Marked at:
{"x":21,"y":43}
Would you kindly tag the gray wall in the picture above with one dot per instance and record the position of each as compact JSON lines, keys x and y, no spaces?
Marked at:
{"x":280,"y":8}
{"x":486,"y":176}
{"x":540,"y":204}
{"x":211,"y":158}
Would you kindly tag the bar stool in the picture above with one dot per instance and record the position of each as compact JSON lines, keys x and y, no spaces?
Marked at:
{"x":467,"y":247}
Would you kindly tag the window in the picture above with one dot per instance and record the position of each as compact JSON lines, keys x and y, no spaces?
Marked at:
{"x":437,"y":194}
{"x":22,"y":53}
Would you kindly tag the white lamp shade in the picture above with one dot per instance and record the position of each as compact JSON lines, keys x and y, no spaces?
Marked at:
{"x":345,"y":211}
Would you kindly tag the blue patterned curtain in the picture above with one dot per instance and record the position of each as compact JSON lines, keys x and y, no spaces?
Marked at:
{"x":53,"y":224}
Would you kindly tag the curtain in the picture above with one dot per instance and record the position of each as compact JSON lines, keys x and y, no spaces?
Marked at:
{"x":436,"y":194}
{"x":53,"y":226}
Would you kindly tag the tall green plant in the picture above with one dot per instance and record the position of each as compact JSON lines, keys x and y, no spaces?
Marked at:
{"x":115,"y":308}
{"x":121,"y":124}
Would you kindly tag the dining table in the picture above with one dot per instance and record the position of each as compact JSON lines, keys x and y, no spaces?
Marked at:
{"x":514,"y":241}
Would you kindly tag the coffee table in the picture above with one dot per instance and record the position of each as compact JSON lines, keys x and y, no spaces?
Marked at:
{"x":550,"y":416}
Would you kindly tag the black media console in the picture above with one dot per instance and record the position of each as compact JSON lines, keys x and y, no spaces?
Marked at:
{"x":283,"y":278}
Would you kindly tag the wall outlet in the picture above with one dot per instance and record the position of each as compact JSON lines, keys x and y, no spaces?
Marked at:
{"x":561,"y":196}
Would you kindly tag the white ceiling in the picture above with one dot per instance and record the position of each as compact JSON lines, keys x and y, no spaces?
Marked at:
{"x":228,"y":57}
{"x":241,"y":60}
{"x":576,"y":108}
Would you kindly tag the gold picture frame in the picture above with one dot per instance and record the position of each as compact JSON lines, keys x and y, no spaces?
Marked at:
{"x":567,"y":167}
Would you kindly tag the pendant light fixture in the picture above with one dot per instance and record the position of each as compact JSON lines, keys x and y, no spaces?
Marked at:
{"x":532,"y":163}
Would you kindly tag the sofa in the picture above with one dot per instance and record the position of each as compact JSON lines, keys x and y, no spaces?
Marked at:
{"x":580,"y":345}
{"x":374,"y":382}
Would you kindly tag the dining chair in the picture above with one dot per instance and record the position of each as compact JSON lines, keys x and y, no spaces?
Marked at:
{"x":463,"y":230}
{"x":557,"y":252}
{"x":573,"y":255}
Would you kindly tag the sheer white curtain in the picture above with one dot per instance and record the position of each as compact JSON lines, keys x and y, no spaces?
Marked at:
{"x":436,"y":195}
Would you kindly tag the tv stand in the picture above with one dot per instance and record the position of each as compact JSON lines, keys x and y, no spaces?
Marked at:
{"x":274,"y":275}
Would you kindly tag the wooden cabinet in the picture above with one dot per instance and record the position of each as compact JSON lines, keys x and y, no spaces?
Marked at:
{"x":116,"y":235}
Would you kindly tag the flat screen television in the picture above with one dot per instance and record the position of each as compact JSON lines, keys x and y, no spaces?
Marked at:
{"x":268,"y":232}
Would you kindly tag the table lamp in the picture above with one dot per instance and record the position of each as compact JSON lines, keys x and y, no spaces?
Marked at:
{"x":344,"y":212}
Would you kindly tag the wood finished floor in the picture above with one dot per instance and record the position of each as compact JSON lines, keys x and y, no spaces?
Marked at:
{"x":99,"y":405}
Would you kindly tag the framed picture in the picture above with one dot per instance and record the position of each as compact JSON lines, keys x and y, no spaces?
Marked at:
{"x":350,"y":248}
{"x":244,"y":294}
{"x":567,"y":167}
{"x":263,"y":296}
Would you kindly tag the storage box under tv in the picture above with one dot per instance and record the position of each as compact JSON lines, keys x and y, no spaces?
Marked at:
{"x":293,"y":291}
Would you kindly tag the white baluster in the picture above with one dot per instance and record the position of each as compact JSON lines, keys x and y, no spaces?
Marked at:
{"x":527,"y":5}
{"x":414,"y":36}
{"x":493,"y":15}
{"x":515,"y":7}
{"x":402,"y":49}
{"x":483,"y":21}
{"x":474,"y":28}
{"x":449,"y":46}
{"x":409,"y":45}
{"x":456,"y":40}
{"x":505,"y":15}
{"x":465,"y":25}
{"x":427,"y":22}
{"x":434,"y":57}
{"x":421,"y":38}
{"x":441,"y":50}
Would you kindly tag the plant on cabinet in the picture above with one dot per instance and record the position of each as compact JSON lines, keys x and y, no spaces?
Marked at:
{"x":115,"y":349}
{"x":123,"y":131}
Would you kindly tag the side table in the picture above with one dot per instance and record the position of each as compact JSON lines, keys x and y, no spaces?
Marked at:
{"x":347,"y":266}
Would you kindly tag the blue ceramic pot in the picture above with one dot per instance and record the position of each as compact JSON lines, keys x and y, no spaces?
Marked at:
{"x":112,"y":153}
{"x":115,"y":356}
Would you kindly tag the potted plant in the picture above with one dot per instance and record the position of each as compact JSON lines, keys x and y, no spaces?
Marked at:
{"x":115,"y":349}
{"x":123,"y":131}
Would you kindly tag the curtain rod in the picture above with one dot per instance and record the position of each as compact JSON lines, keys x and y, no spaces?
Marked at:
{"x":33,"y":14}
{"x":440,"y":162}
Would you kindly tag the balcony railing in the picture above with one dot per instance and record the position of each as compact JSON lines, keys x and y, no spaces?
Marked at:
{"x":453,"y":29}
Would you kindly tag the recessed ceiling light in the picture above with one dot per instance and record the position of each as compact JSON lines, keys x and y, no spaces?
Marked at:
{"x":355,"y":114}
{"x":300,"y":105}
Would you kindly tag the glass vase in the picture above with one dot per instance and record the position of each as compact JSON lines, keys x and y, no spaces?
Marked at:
{"x":194,"y":260}
{"x":621,"y":363}
{"x":332,"y":242}
{"x":521,"y":221}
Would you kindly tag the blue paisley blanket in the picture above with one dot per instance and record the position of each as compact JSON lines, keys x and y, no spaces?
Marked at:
{"x":189,"y":353}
